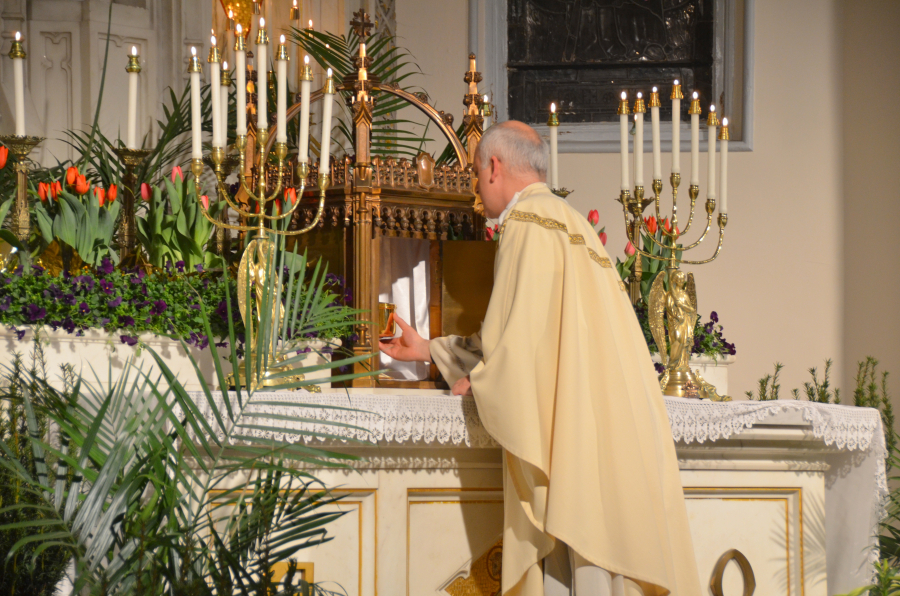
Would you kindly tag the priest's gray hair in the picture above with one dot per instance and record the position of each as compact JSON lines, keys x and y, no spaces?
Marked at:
{"x":516,"y":145}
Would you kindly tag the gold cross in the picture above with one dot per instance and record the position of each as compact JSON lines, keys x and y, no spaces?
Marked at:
{"x":361,"y":23}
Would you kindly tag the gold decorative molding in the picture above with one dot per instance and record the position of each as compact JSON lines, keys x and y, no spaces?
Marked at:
{"x":484,"y":575}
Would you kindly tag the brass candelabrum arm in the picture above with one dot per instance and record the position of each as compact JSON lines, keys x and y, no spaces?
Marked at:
{"x":630,"y":232}
{"x":323,"y":184}
{"x":723,"y":221}
{"x":693,"y":191}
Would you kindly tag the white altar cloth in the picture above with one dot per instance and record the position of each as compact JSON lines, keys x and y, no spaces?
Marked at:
{"x":856,"y":481}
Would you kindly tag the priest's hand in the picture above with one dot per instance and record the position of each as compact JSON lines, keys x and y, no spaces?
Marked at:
{"x":409,"y":347}
{"x":462,"y":387}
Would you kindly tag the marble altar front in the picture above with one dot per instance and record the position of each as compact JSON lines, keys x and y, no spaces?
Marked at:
{"x":797,"y":487}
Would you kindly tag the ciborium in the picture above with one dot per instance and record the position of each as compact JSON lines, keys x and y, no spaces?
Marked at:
{"x":672,"y":304}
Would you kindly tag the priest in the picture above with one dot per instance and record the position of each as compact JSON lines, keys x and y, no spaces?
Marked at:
{"x":563,"y":380}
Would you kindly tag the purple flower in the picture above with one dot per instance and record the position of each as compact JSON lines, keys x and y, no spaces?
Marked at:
{"x":221,"y":310}
{"x":38,"y":270}
{"x":199,"y":267}
{"x":55,"y":324}
{"x":34,"y":313}
{"x":18,"y":273}
{"x":115,"y":302}
{"x":129,"y":340}
{"x":222,"y":344}
{"x":714,"y":317}
{"x":199,"y":340}
{"x":106,"y":266}
{"x":53,"y":292}
{"x":85,"y":283}
{"x":180,"y":266}
{"x":4,"y":306}
{"x":354,"y":337}
{"x":194,"y":307}
{"x":660,"y":369}
{"x":104,"y":321}
{"x":83,"y":308}
{"x":148,"y":320}
{"x":159,"y":307}
{"x":107,"y":286}
{"x":68,"y":325}
{"x":69,"y":299}
{"x":126,"y":321}
{"x":20,"y":334}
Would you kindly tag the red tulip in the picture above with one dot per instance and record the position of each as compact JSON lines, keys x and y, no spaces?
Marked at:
{"x":291,"y":195}
{"x":100,"y":194}
{"x":4,"y":154}
{"x":71,"y":175}
{"x":593,"y":217}
{"x":145,"y":191}
{"x":55,"y":189}
{"x":204,"y":200}
{"x":629,"y":249}
{"x":112,"y":193}
{"x":177,"y":171}
{"x":81,"y":184}
{"x":490,"y":233}
{"x":651,"y":224}
{"x":602,"y":236}
{"x":277,"y":208}
{"x":43,"y":189}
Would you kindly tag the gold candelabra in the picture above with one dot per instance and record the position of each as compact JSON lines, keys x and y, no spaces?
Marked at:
{"x":674,"y":307}
{"x":131,"y":159}
{"x":21,"y":147}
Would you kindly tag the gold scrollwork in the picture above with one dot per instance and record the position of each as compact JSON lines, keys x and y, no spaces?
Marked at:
{"x":715,"y":582}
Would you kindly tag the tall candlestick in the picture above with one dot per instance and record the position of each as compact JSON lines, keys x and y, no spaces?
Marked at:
{"x":724,"y":137}
{"x":281,"y":60}
{"x":215,"y":96}
{"x":624,"y":110}
{"x":694,"y":111}
{"x":196,"y":124}
{"x":17,"y":53}
{"x":305,"y":82}
{"x":324,"y":156}
{"x":262,"y":44}
{"x":639,"y":111}
{"x":553,"y":123}
{"x":240,"y":71}
{"x":654,"y":122}
{"x":223,"y":101}
{"x":711,"y":122}
{"x":676,"y":127}
{"x":133,"y":69}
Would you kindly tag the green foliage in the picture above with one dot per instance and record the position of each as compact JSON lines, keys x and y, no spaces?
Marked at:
{"x":152,"y":508}
{"x":708,"y":336}
{"x":652,"y":244}
{"x":17,"y":574}
{"x":821,"y":391}
{"x":765,"y":391}
{"x":80,"y":223}
{"x":887,"y":582}
{"x":174,"y":228}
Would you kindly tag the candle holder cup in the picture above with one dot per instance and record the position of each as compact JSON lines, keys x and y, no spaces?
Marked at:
{"x":21,"y":147}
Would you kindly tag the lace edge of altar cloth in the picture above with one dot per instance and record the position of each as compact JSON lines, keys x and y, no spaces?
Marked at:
{"x":447,"y":420}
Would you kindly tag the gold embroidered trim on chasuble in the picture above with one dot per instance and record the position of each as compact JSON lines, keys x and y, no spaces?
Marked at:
{"x":552,"y":224}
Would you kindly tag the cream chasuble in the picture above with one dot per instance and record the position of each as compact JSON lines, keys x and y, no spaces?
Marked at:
{"x":563,"y":381}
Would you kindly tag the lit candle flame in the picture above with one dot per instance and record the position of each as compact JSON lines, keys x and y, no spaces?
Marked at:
{"x":655,"y":90}
{"x":239,"y":29}
{"x":230,"y":14}
{"x":310,"y":24}
{"x":640,"y":95}
{"x":696,"y":95}
{"x":225,"y":65}
{"x":724,"y":121}
{"x":676,"y":81}
{"x":18,"y":36}
{"x":282,"y":39}
{"x":712,"y":108}
{"x":133,"y":51}
{"x":327,"y":47}
{"x":552,"y":108}
{"x":295,"y":3}
{"x":306,"y":59}
{"x":212,"y":40}
{"x":486,"y":99}
{"x":329,"y":73}
{"x":193,"y":51}
{"x":624,"y":96}
{"x":262,"y":23}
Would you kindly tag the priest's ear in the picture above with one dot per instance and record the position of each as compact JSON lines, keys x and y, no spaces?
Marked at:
{"x":495,"y":169}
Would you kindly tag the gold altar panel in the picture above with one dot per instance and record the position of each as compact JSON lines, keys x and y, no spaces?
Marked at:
{"x":758,"y":522}
{"x":467,"y":279}
{"x":447,"y":535}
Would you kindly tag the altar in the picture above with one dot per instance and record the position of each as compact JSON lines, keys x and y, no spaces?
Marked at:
{"x":796,"y":487}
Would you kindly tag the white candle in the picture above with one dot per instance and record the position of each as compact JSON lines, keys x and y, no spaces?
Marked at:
{"x":326,"y":125}
{"x":676,"y":130}
{"x":695,"y":145}
{"x":639,"y":146}
{"x":723,"y":152}
{"x":133,"y":70}
{"x":281,"y":97}
{"x":194,"y":69}
{"x":223,"y":107}
{"x":262,"y":85}
{"x":654,"y":121}
{"x":305,"y":82}
{"x":215,"y":96}
{"x":711,"y":179}
{"x":240,"y":70}
{"x":487,"y":117}
{"x":554,"y":144}
{"x":19,"y":79}
{"x":623,"y":139}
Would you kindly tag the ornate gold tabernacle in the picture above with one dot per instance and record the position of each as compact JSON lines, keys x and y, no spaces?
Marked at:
{"x":371,"y":198}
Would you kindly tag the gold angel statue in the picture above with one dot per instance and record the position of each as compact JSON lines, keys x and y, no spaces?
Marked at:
{"x":678,"y":307}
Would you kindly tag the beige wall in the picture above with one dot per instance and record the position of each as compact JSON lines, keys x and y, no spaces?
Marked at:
{"x":871,"y":210}
{"x":778,"y":284}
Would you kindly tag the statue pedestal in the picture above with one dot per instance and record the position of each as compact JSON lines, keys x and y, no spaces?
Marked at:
{"x":713,"y":370}
{"x":795,"y":486}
